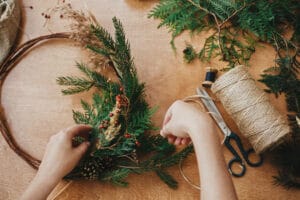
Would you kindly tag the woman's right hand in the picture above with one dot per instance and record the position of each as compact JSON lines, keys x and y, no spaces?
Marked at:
{"x":181,"y":122}
{"x":184,"y":122}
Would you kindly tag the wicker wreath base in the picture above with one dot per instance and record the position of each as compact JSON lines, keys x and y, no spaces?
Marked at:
{"x":8,"y":64}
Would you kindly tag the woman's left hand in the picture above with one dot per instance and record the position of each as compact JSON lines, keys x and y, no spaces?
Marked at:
{"x":61,"y":156}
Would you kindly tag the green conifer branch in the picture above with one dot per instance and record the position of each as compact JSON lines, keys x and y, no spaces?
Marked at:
{"x":120,"y":117}
{"x":167,"y":178}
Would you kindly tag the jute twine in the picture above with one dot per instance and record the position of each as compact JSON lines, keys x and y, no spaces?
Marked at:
{"x":249,"y":106}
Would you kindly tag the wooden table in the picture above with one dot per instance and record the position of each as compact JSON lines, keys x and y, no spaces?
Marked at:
{"x":35,"y":108}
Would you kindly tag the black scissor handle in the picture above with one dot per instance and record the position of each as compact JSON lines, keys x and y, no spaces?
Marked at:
{"x":257,"y":163}
{"x":246,"y":153}
{"x":241,"y":165}
{"x":237,"y":158}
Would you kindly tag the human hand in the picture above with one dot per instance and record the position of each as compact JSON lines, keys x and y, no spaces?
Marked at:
{"x":182,"y":121}
{"x":61,"y":156}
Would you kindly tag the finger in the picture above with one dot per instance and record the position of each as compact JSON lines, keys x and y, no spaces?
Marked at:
{"x":177,"y":141}
{"x":185,"y":141}
{"x":168,"y":116}
{"x":82,"y":148}
{"x":188,"y":141}
{"x":167,"y":129}
{"x":78,"y":130}
{"x":171,"y":139}
{"x":163,"y":133}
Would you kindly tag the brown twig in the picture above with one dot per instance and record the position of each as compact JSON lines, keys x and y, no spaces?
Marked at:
{"x":14,"y":56}
{"x":205,"y":10}
{"x":7,"y":65}
{"x":234,"y":14}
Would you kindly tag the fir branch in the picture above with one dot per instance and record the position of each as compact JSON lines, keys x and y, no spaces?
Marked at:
{"x":167,"y":178}
{"x":77,"y":84}
{"x":179,"y":16}
{"x":80,"y":118}
{"x":116,"y":176}
{"x":103,"y":37}
{"x":176,"y":158}
{"x":209,"y":49}
{"x":286,"y":180}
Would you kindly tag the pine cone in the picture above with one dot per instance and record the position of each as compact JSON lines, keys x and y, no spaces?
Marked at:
{"x":93,"y":168}
{"x":90,"y":170}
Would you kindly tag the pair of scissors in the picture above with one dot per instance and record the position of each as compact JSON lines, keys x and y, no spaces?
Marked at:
{"x":229,"y":136}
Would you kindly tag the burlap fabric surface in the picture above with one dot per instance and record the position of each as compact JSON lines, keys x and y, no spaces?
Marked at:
{"x":9,"y":23}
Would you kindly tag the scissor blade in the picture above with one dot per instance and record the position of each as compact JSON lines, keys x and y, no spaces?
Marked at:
{"x":211,"y":107}
{"x":208,"y":102}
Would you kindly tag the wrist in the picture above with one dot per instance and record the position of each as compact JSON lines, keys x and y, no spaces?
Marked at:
{"x":40,"y":187}
{"x":203,"y":129}
{"x":46,"y":180}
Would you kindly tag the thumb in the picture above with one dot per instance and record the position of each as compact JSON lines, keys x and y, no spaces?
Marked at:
{"x":82,"y":148}
{"x":167,"y":129}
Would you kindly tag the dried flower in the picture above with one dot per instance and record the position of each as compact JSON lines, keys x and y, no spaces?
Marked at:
{"x":81,"y":31}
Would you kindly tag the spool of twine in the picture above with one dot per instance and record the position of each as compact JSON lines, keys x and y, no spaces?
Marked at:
{"x":249,"y":106}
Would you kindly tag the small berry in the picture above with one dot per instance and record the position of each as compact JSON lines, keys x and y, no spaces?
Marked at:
{"x":118,"y":98}
{"x":137,"y":143}
{"x":127,"y":135}
{"x":121,"y":89}
{"x":111,"y":114}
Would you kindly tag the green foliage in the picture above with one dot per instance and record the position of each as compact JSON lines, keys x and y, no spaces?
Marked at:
{"x":222,"y":8}
{"x":179,"y":15}
{"x":189,"y":53}
{"x":209,"y":49}
{"x":120,"y":117}
{"x":258,"y":19}
{"x":237,"y":24}
{"x":283,"y":79}
{"x":234,"y":50}
{"x":167,"y":178}
{"x":77,"y":85}
{"x":236,"y":28}
{"x":116,"y":177}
